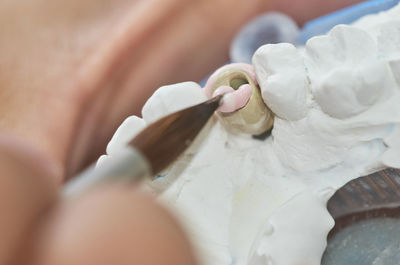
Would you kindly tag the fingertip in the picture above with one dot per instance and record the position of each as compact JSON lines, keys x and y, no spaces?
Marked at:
{"x":113,"y":225}
{"x":27,"y":190}
{"x":22,"y":150}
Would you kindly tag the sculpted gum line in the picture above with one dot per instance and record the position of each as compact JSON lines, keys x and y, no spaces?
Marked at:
{"x":336,"y":113}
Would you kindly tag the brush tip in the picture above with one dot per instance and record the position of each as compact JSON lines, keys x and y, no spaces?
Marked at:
{"x":164,"y":140}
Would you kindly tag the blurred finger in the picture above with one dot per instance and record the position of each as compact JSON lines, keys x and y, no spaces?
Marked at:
{"x":113,"y":225}
{"x":26,"y":190}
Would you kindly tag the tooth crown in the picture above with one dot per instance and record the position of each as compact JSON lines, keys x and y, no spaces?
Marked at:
{"x":283,"y":80}
{"x":344,"y":70}
{"x":255,"y":117}
{"x":130,"y":127}
{"x":171,"y":98}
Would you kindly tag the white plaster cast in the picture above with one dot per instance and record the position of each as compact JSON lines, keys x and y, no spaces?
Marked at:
{"x":246,"y":201}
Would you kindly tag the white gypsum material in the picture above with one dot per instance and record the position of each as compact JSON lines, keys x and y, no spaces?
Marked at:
{"x":246,"y":201}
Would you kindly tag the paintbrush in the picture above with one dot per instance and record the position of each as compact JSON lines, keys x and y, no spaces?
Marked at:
{"x":151,"y":151}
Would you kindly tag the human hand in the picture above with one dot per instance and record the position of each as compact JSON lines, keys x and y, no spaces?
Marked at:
{"x":109,"y":225}
{"x":70,"y":71}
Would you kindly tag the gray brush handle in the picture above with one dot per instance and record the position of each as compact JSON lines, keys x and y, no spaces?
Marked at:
{"x":129,"y":165}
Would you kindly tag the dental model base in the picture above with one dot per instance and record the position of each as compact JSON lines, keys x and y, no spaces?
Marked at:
{"x":336,"y":113}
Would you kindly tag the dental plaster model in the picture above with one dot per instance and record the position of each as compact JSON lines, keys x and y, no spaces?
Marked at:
{"x":337,"y":117}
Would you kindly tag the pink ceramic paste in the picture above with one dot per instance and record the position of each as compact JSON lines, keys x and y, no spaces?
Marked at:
{"x":233,"y":99}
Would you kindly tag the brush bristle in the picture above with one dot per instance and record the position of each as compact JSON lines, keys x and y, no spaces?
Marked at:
{"x":164,"y":140}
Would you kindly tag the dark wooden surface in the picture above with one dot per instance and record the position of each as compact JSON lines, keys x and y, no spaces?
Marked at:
{"x":374,"y":195}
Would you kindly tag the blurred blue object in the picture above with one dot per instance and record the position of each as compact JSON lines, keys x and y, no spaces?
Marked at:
{"x":275,"y":27}
{"x":347,"y":15}
{"x":267,"y":28}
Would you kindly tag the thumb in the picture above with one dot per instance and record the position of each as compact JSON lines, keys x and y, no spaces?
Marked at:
{"x":27,"y":188}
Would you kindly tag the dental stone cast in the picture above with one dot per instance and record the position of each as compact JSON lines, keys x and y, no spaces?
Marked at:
{"x":245,"y":201}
